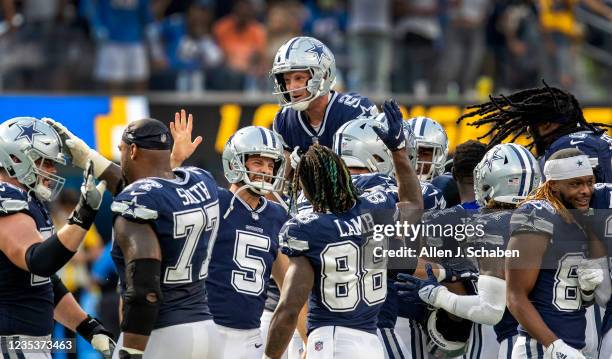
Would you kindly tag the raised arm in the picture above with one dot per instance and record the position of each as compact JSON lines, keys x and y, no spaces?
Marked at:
{"x":297,"y":285}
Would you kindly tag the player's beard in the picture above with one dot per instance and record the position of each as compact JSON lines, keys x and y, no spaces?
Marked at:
{"x":568,"y":204}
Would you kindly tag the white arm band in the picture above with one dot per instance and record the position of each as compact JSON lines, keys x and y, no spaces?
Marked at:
{"x":487,"y":307}
{"x":604,"y":289}
{"x":100,"y":162}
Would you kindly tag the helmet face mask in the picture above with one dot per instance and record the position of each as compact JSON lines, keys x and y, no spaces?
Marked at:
{"x":429,"y":135}
{"x":303,"y":54}
{"x":25,"y":144}
{"x":359,"y":146}
{"x":254,"y":140}
{"x":508,"y":173}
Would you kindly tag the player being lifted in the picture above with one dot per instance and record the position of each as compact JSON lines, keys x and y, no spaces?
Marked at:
{"x":247,"y":251}
{"x":327,"y":253}
{"x":30,"y":249}
{"x":304,"y":73}
{"x":546,"y":291}
{"x":504,"y":177}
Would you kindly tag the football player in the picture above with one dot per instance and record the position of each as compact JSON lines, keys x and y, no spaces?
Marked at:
{"x":546,"y":292}
{"x":371,"y":166}
{"x":504,"y":177}
{"x":602,"y":203}
{"x":554,"y":120}
{"x":328,"y":252}
{"x":432,"y":153}
{"x":246,"y":251}
{"x":165,"y":226}
{"x":31,"y":295}
{"x":304,"y":73}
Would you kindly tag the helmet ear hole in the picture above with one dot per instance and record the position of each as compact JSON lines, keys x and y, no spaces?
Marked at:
{"x":15,"y":159}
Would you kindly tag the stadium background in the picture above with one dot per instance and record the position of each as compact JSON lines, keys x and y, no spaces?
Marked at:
{"x":48,"y":59}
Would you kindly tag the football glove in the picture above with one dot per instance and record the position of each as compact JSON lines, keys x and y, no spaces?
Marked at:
{"x":393,"y":137}
{"x":101,"y":339}
{"x":90,"y":199}
{"x":78,"y":150}
{"x":558,"y":349}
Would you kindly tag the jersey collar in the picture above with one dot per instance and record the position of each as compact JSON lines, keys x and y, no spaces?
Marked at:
{"x":308,"y":128}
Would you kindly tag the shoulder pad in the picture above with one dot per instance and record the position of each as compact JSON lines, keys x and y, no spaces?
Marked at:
{"x":12,"y":199}
{"x":129,"y":208}
{"x":288,"y":239}
{"x":142,"y":186}
{"x":534,"y":217}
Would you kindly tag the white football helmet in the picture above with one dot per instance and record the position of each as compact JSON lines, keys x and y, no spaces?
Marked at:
{"x":254,"y":140}
{"x":23,"y":142}
{"x":508,"y":173}
{"x":359,"y":146}
{"x":303,"y":54}
{"x":430,"y":134}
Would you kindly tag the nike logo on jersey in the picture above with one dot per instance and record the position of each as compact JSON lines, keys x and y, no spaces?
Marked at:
{"x":136,"y":193}
{"x":573,"y":143}
{"x":258,"y":345}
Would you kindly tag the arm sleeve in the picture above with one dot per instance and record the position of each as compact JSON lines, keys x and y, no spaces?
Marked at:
{"x":486,"y":308}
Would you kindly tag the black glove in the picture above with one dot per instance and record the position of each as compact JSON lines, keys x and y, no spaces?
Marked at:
{"x":459,"y":270}
{"x":393,"y":137}
{"x":94,"y":332}
{"x":123,"y":354}
{"x":85,"y":211}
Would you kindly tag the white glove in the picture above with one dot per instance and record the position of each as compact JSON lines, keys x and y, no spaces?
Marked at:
{"x":558,"y":349}
{"x":590,"y":275}
{"x":295,"y":157}
{"x":80,"y":152}
{"x":103,"y":344}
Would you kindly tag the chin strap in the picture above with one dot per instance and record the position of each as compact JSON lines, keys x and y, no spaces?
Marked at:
{"x":231,"y":205}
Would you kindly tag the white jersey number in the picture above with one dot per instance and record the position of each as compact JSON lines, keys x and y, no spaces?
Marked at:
{"x":249,"y":279}
{"x":345,"y":280}
{"x":566,"y":296}
{"x":189,"y":225}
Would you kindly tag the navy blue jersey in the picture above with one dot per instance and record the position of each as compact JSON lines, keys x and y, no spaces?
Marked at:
{"x":348,"y":288}
{"x":597,"y":147}
{"x":184,"y":213}
{"x":555,"y":294}
{"x":601,"y":201}
{"x":497,"y":235}
{"x":432,"y":196}
{"x":26,"y":300}
{"x":295,"y":130}
{"x":432,"y":199}
{"x":448,"y":186}
{"x":452,"y":217}
{"x":242,"y":259}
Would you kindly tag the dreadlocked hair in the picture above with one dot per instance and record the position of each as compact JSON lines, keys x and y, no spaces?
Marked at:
{"x":325,"y":179}
{"x":545,"y":191}
{"x":467,"y":156}
{"x":511,"y":115}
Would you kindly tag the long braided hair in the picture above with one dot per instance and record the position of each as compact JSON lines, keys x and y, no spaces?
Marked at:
{"x":514,"y":114}
{"x":325,"y":179}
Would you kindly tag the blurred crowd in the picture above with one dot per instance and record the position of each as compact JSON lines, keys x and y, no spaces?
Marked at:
{"x":419,"y":47}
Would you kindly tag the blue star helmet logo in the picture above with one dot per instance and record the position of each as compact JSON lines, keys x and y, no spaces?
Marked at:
{"x":489,"y":161}
{"x":28,"y":132}
{"x":579,"y":163}
{"x":318,"y":50}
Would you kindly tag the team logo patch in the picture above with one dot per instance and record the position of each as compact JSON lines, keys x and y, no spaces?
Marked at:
{"x":318,"y":345}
